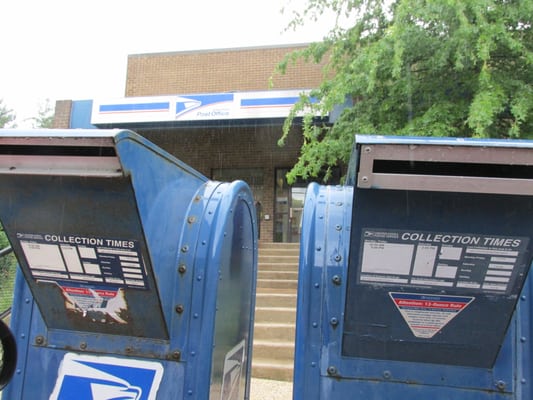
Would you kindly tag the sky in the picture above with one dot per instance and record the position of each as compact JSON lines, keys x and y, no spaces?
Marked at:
{"x":78,"y":49}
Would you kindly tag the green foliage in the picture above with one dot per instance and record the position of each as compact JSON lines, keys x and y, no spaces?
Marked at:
{"x":45,"y":117}
{"x":459,"y":68}
{"x":8,"y":262}
{"x":7,"y":117}
{"x":8,"y":266}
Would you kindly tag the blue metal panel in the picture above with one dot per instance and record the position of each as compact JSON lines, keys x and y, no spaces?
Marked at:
{"x":80,"y":114}
{"x":326,"y":368}
{"x":20,"y":323}
{"x":524,"y":336}
{"x":189,"y":326}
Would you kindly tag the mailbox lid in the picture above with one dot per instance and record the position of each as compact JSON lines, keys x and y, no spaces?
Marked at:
{"x":443,"y":164}
{"x":80,"y":244}
{"x":59,"y":152}
{"x":84,"y":211}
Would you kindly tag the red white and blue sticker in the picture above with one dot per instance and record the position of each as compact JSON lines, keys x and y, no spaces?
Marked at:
{"x":428,"y":314}
{"x":86,"y":377}
{"x":104,"y":305}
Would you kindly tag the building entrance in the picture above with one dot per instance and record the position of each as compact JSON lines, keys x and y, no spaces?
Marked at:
{"x":288,"y":208}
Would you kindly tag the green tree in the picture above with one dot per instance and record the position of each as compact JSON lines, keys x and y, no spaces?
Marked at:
{"x":7,"y":117}
{"x":459,"y":68}
{"x":45,"y":116}
{"x":8,"y":267}
{"x":7,"y":262}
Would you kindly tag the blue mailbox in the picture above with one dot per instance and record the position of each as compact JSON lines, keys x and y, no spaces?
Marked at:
{"x":414,"y":276}
{"x":137,"y":273}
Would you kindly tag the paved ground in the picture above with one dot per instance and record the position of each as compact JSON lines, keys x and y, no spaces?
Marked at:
{"x":264,"y":389}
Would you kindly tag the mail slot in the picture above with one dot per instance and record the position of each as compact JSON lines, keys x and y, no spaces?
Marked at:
{"x":414,"y":275}
{"x":137,"y":273}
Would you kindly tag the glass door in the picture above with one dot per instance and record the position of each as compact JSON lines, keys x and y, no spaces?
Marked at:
{"x":288,"y":209}
{"x":297,"y":197}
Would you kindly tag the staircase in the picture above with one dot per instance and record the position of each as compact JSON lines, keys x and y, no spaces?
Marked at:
{"x":275,"y":311}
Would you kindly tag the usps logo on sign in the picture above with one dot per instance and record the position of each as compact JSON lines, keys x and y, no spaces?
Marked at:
{"x":85,"y":377}
{"x":233,"y":367}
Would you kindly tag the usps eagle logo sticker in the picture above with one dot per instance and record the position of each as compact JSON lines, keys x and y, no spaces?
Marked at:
{"x":85,"y":377}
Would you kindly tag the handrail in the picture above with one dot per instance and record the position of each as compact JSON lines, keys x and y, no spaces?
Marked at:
{"x":4,"y":252}
{"x":6,"y":313}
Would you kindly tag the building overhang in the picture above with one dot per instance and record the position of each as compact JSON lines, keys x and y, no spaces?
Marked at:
{"x":210,"y":109}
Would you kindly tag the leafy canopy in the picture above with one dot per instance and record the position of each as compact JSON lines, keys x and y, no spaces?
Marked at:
{"x":459,"y":68}
{"x":7,"y":117}
{"x":45,"y":116}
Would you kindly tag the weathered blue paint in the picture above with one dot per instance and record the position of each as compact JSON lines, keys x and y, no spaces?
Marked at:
{"x":328,"y":364}
{"x":197,"y":239}
{"x":80,"y":114}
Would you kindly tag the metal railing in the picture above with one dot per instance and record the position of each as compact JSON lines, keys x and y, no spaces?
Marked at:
{"x":7,"y":278}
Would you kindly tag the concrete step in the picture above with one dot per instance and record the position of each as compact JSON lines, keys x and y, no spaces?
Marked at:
{"x":274,"y":298}
{"x":280,"y":252}
{"x":279,"y":259}
{"x":275,"y":245}
{"x":273,"y":274}
{"x":272,"y":369}
{"x":293,"y":267}
{"x":274,"y":331}
{"x":277,"y":283}
{"x":268,"y":349}
{"x":276,"y":314}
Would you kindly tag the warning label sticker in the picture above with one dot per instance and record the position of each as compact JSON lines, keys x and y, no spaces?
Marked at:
{"x":441,"y":260}
{"x":427,"y":314}
{"x":92,"y":260}
{"x":97,"y":304}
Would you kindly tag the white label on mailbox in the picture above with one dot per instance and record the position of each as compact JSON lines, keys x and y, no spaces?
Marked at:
{"x":85,"y":377}
{"x":91,"y":260}
{"x":441,"y":260}
{"x":427,"y":314}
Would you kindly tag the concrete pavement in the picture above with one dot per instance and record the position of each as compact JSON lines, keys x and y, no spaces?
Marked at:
{"x":265,"y":389}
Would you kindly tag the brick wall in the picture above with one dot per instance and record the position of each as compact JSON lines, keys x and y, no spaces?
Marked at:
{"x":227,"y":146}
{"x":214,"y":71}
{"x":62,"y":114}
{"x":223,"y":147}
{"x":235,"y":147}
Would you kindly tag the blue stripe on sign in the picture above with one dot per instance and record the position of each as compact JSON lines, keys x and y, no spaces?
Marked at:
{"x":161,"y":106}
{"x":271,"y":101}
